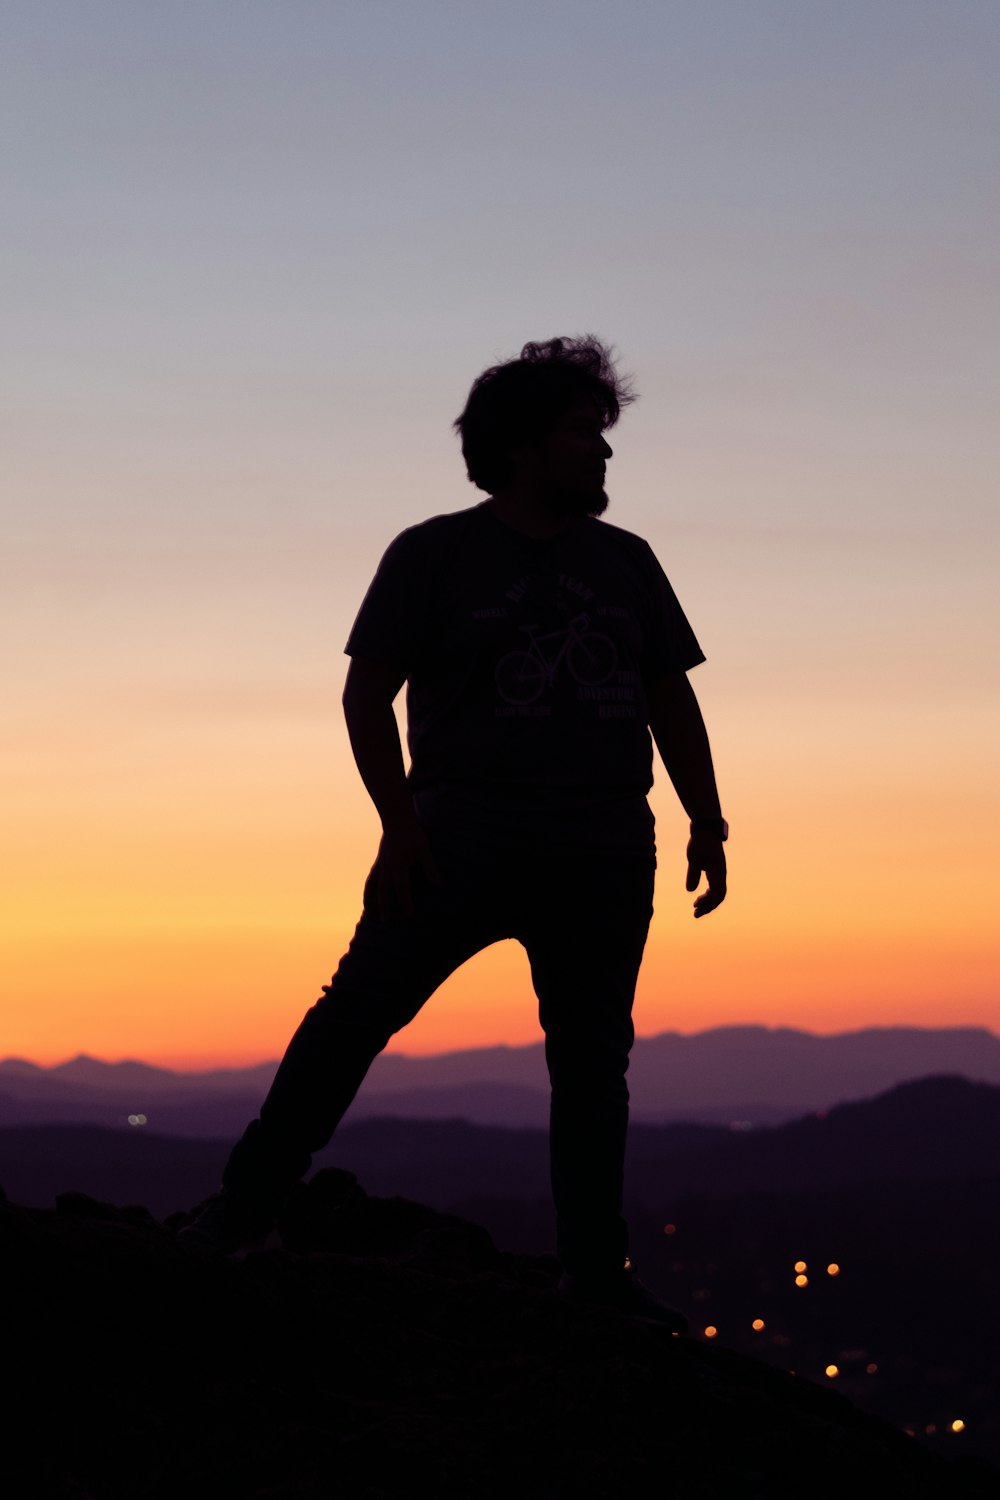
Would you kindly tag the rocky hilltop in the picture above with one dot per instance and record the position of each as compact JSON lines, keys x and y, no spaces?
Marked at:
{"x":378,"y":1348}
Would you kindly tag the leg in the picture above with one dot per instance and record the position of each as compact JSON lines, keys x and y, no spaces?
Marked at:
{"x":388,"y":972}
{"x":585,"y":944}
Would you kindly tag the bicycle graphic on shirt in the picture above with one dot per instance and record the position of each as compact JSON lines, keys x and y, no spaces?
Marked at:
{"x":590,"y":657}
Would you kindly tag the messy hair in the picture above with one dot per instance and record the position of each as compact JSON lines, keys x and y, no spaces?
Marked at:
{"x":516,"y":404}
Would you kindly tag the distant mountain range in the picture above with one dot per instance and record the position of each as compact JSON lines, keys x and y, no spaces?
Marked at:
{"x":933,"y":1130}
{"x":739,"y":1076}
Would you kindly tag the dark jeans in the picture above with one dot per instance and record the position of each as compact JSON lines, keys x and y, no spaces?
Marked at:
{"x":582,"y":918}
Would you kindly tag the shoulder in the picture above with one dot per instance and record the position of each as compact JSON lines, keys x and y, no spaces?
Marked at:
{"x":601,"y":534}
{"x":436,"y":533}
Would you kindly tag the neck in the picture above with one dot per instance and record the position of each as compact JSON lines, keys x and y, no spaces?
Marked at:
{"x":522,"y":511}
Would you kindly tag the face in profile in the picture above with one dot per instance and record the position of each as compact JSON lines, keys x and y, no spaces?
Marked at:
{"x":569,"y":465}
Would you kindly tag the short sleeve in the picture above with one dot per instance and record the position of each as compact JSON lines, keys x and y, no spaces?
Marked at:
{"x":392,"y":622}
{"x":670,"y":645}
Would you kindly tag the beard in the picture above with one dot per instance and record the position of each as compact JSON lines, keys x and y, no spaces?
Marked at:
{"x":565,"y":503}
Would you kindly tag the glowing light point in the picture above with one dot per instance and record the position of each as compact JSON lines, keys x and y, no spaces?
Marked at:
{"x":711,"y":1331}
{"x":871,"y":1369}
{"x":757,"y":1324}
{"x":137,"y":1119}
{"x":800,"y":1266}
{"x":832,"y":1371}
{"x":802,"y":1281}
{"x":833,"y":1269}
{"x":670,"y":1229}
{"x":958,"y":1425}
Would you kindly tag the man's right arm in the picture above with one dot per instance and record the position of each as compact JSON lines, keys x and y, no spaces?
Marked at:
{"x":369,"y":692}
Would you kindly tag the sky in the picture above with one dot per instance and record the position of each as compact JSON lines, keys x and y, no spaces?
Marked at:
{"x":254,"y":256}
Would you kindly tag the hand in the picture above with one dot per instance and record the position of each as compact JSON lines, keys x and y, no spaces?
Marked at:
{"x":404,"y":857}
{"x":706,"y":853}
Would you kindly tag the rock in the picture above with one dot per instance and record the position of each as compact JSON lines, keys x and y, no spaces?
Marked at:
{"x":386,"y":1349}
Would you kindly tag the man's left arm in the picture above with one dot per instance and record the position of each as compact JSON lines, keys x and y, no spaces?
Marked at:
{"x":679,"y":733}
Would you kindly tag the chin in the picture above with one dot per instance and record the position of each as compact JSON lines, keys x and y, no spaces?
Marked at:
{"x":581,"y":503}
{"x":592,"y":505}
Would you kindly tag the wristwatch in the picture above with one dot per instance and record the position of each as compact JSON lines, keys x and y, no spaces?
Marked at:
{"x":717,"y":827}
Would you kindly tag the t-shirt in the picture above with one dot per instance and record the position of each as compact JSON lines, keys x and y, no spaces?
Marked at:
{"x":525,"y":662}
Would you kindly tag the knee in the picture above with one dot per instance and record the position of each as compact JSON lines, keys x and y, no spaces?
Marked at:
{"x":587,"y":1067}
{"x":598,"y":1042}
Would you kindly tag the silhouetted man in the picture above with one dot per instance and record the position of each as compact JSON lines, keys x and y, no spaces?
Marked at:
{"x":540,"y":646}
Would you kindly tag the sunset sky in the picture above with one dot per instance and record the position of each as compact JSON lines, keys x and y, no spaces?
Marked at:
{"x":254,"y":255}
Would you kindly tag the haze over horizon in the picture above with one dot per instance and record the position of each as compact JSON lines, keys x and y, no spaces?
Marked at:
{"x":952,"y":1035}
{"x":260,"y":254}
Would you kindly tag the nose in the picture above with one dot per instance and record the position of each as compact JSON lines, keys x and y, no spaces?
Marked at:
{"x":608,"y":450}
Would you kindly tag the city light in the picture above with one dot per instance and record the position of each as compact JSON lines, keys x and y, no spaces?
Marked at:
{"x":958,"y":1425}
{"x":670,"y":1229}
{"x":833,"y":1269}
{"x":711,"y":1331}
{"x":800,"y":1266}
{"x":137,"y":1119}
{"x":757,"y":1324}
{"x":871,"y":1369}
{"x":802,"y":1280}
{"x":832,"y":1371}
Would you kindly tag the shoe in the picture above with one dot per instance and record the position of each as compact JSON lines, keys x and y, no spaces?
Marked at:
{"x":623,"y":1292}
{"x":227,"y":1225}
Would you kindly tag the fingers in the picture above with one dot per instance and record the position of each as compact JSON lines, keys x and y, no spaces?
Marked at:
{"x":710,"y":859}
{"x":392,"y":903}
{"x":398,"y":883}
{"x":395,"y":893}
{"x":709,"y":900}
{"x":714,"y":896}
{"x":404,"y":864}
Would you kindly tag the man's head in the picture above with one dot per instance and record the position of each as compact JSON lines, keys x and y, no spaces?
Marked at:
{"x":539,"y":421}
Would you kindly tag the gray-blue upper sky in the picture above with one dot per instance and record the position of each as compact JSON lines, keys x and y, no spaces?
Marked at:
{"x":255,"y":253}
{"x":295,"y":224}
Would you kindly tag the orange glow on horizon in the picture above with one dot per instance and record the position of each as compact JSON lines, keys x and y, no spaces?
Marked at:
{"x":182,"y":898}
{"x":234,"y":996}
